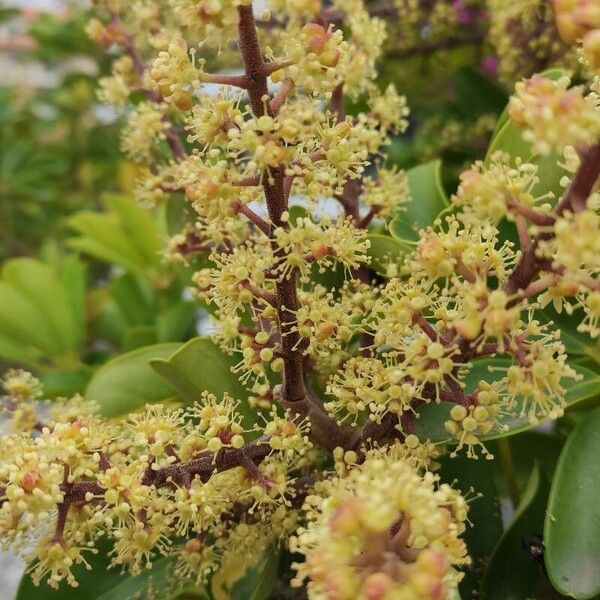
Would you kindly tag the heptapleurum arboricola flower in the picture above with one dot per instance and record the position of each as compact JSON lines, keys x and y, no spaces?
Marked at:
{"x":339,"y":372}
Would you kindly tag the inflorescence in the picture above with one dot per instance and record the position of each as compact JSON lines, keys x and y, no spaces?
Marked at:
{"x":244,"y":115}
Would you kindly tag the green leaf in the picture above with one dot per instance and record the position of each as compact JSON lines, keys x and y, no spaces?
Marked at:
{"x":102,"y":237}
{"x":255,"y":584}
{"x":73,"y":277}
{"x":64,"y":383}
{"x":135,"y":298}
{"x":428,"y":199}
{"x":104,"y":583}
{"x":198,"y":366}
{"x":22,"y":323}
{"x":387,"y":253}
{"x":510,"y":140}
{"x":572,"y":525}
{"x":128,"y":382}
{"x":176,"y":321}
{"x":476,"y":94}
{"x":176,"y":213}
{"x":14,"y":351}
{"x":575,"y":342}
{"x":40,"y":286}
{"x":430,"y":423}
{"x":139,"y":225}
{"x":512,"y":574}
{"x":484,"y":512}
{"x":527,"y":449}
{"x":138,"y":336}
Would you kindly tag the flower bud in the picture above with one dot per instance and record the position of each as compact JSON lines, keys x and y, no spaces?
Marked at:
{"x":591,"y":47}
{"x":182,"y":100}
{"x":29,"y":481}
{"x":376,"y":586}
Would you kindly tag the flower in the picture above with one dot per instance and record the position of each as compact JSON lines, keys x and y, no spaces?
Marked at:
{"x":553,"y":116}
{"x":380,"y":531}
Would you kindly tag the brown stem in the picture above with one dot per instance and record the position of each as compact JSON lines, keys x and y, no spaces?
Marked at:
{"x":544,"y":220}
{"x":273,"y":186}
{"x":283,"y":93}
{"x":366,"y":220}
{"x":240,"y":81}
{"x":257,"y":220}
{"x":273,"y":67}
{"x":522,"y":231}
{"x":581,"y":187}
{"x":61,"y":521}
{"x":337,"y":102}
{"x":575,"y":199}
{"x":175,"y":144}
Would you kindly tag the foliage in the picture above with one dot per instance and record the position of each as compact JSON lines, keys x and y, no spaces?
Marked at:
{"x":327,"y":436}
{"x":59,"y":152}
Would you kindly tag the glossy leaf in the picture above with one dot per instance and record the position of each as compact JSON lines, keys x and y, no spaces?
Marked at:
{"x":428,"y":199}
{"x":527,"y":449}
{"x":198,"y":366}
{"x":64,"y":383}
{"x":476,"y":94}
{"x":576,"y":343}
{"x":572,"y":525}
{"x":176,"y":321}
{"x":128,"y":382}
{"x":104,"y":583}
{"x":485,"y":529}
{"x":139,"y":225}
{"x":255,"y":584}
{"x":22,"y":322}
{"x":512,"y":574}
{"x":430,"y":424}
{"x":40,"y":286}
{"x":510,"y":140}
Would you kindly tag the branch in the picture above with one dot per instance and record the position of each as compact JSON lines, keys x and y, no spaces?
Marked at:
{"x":575,"y":199}
{"x":240,"y":81}
{"x":581,"y":187}
{"x":257,"y":220}
{"x":283,"y":93}
{"x":274,"y":192}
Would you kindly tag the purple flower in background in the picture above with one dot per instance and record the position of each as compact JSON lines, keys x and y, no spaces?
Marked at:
{"x":490,"y":65}
{"x":464,"y":15}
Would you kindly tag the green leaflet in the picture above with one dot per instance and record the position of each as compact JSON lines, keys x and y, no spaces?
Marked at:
{"x":511,"y":574}
{"x":572,"y":523}
{"x":428,"y":200}
{"x":198,"y":366}
{"x":128,"y":382}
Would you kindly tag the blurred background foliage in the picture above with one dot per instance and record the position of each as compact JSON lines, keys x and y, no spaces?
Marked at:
{"x":82,"y":276}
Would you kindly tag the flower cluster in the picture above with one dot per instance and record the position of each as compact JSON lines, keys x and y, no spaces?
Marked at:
{"x":580,"y":20}
{"x":553,"y":115}
{"x":84,"y":479}
{"x":524,"y":36}
{"x":382,"y":531}
{"x":338,"y":360}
